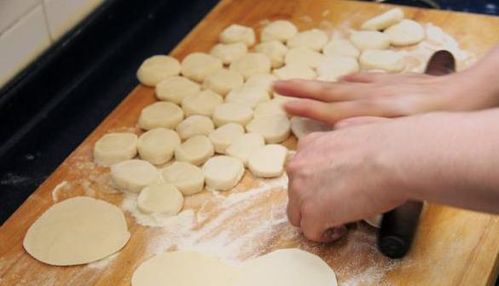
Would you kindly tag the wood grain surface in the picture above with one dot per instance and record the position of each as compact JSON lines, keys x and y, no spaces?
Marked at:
{"x":452,"y":247}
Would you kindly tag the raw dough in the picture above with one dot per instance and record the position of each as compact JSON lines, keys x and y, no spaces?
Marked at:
{"x":374,"y":221}
{"x":157,"y":68}
{"x":405,"y":33}
{"x":115,"y":147}
{"x":188,"y":178}
{"x":157,"y":145}
{"x":295,"y":71}
{"x":222,"y":173}
{"x":194,"y":125}
{"x":243,"y":146}
{"x":386,"y":60}
{"x":264,"y":80}
{"x":160,"y":114}
{"x":232,"y":112}
{"x":274,"y":50}
{"x":268,"y":161}
{"x":341,"y":47}
{"x":334,"y":67}
{"x":251,"y":64}
{"x":364,"y":40}
{"x":384,"y":20}
{"x":223,"y":81}
{"x":224,"y":135}
{"x":313,"y":39}
{"x":197,"y":66}
{"x":237,"y":34}
{"x":273,"y":107}
{"x":274,"y":128}
{"x":304,"y":56}
{"x":229,"y":52}
{"x":203,"y":103}
{"x":301,"y":126}
{"x":290,"y":267}
{"x":248,"y":95}
{"x":160,"y":198}
{"x":195,"y":150}
{"x":77,"y":231}
{"x":133,"y":175}
{"x":176,"y":88}
{"x":280,"y":30}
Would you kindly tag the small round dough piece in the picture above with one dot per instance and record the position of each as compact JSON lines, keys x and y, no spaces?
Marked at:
{"x":405,"y":33}
{"x":194,"y":125}
{"x":162,"y":198}
{"x":232,"y":113}
{"x":188,"y":178}
{"x":176,"y":268}
{"x":223,"y":173}
{"x":229,"y":52}
{"x":197,"y":66}
{"x":195,"y":150}
{"x":314,"y":39}
{"x":334,"y":67}
{"x":386,"y":60}
{"x":304,"y":56}
{"x":274,"y":128}
{"x":133,"y":175}
{"x":280,"y":30}
{"x":248,"y":95}
{"x":157,"y":68}
{"x":223,"y":81}
{"x":115,"y":147}
{"x":341,"y":47}
{"x":301,"y":126}
{"x":273,"y":107}
{"x":203,"y":103}
{"x":77,"y":231}
{"x":176,"y":88}
{"x":251,"y":64}
{"x":295,"y":71}
{"x":237,"y":34}
{"x":268,"y":161}
{"x":224,"y":135}
{"x":242,"y":147}
{"x":157,"y":145}
{"x":290,"y":267}
{"x":365,"y":40}
{"x":274,"y":50}
{"x":264,"y":80}
{"x":383,"y":21}
{"x":160,"y":114}
{"x":374,"y":221}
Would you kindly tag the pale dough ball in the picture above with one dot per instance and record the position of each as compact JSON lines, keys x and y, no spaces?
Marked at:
{"x":157,"y":68}
{"x":157,"y":145}
{"x":374,"y":221}
{"x":77,"y":231}
{"x":274,"y":50}
{"x":188,"y":178}
{"x":237,"y":34}
{"x":223,"y":81}
{"x":232,"y":113}
{"x":194,"y":125}
{"x":203,"y":103}
{"x":273,"y":107}
{"x":160,"y":198}
{"x":386,"y":60}
{"x":334,"y":67}
{"x":133,"y":175}
{"x":365,"y":40}
{"x":242,"y":147}
{"x":274,"y":128}
{"x":176,"y":88}
{"x":313,"y":39}
{"x":229,"y":52}
{"x":197,"y":66}
{"x":384,"y":20}
{"x":301,"y":126}
{"x":248,"y":95}
{"x":295,"y":71}
{"x":222,"y":173}
{"x":304,"y":56}
{"x":341,"y":47}
{"x":268,"y":161}
{"x":160,"y":114}
{"x":195,"y":150}
{"x":264,"y":80}
{"x":280,"y":30}
{"x":251,"y":64}
{"x":281,"y":99}
{"x":115,"y":147}
{"x":224,"y":135}
{"x":405,"y":33}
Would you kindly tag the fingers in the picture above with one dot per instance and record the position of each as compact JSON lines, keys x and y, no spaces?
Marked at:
{"x":319,"y":90}
{"x":361,"y":120}
{"x":363,"y":77}
{"x":309,"y":108}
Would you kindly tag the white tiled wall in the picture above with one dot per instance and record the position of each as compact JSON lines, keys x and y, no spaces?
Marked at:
{"x":28,"y":27}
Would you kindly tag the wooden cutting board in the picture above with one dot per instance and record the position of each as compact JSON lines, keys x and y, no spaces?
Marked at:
{"x":452,"y":247}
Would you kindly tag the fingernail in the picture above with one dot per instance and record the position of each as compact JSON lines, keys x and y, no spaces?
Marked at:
{"x":334,"y":233}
